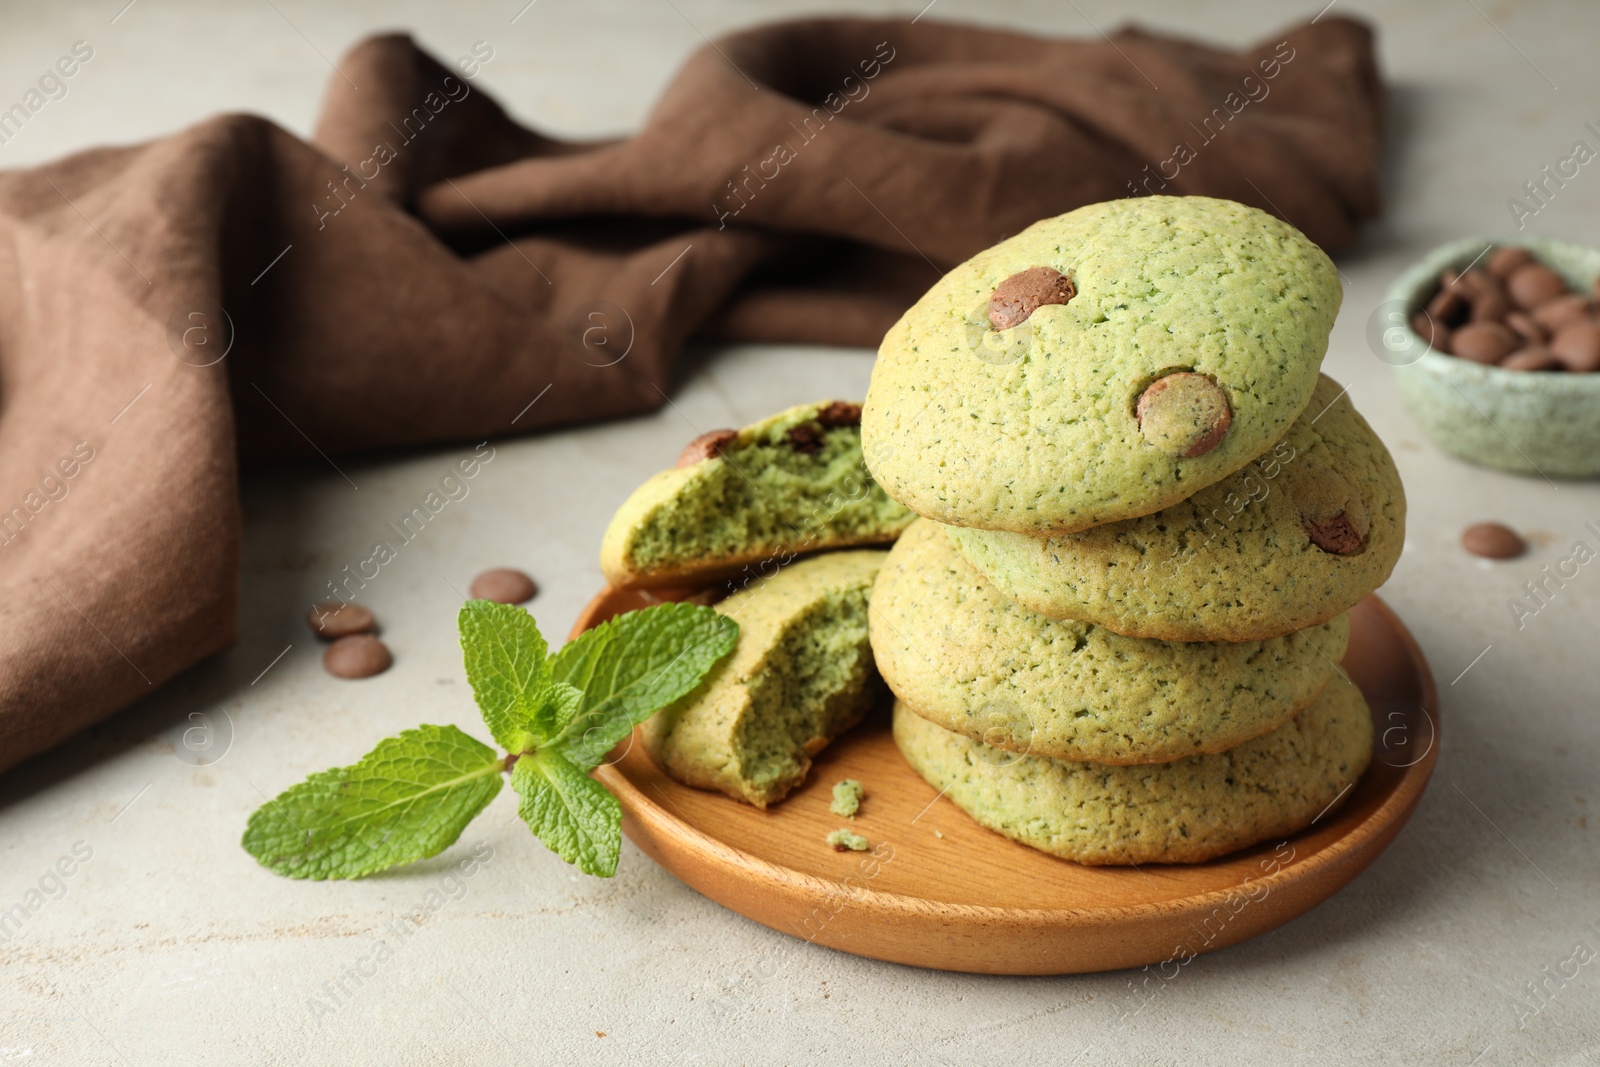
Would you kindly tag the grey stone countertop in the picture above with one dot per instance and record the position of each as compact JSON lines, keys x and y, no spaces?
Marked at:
{"x":1473,"y":939}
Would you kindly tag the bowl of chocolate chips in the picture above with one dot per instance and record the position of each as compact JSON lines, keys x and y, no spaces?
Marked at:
{"x":1497,"y":350}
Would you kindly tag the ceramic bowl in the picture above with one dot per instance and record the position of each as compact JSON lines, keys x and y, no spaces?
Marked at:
{"x":1533,"y":422}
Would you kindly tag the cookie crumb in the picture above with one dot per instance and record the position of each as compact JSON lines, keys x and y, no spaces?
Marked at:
{"x":845,"y":841}
{"x":847,"y":796}
{"x":599,"y":1033}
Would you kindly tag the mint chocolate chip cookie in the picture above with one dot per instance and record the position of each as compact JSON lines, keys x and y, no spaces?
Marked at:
{"x":790,"y":484}
{"x":1299,"y":536}
{"x":1188,"y":811}
{"x":801,"y":674}
{"x":982,"y":665}
{"x":1100,"y":365}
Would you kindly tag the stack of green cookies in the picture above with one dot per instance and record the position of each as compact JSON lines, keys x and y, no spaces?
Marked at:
{"x":1115,"y":633}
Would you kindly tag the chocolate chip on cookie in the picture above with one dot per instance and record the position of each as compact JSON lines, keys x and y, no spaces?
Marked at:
{"x":1338,"y":535}
{"x":805,"y":438}
{"x":840,"y":413}
{"x":1332,"y":513}
{"x":1020,"y":295}
{"x":705,"y":446}
{"x":1184,"y":414}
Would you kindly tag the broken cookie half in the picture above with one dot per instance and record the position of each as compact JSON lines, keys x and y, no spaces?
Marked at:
{"x":740,"y":503}
{"x":801,"y":674}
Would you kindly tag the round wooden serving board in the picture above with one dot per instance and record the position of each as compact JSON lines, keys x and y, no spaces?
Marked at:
{"x":938,"y":890}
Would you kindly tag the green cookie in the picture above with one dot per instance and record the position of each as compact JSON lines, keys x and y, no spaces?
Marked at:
{"x":800,"y":675}
{"x":790,"y":484}
{"x":1184,"y":812}
{"x":1299,"y":536}
{"x":1189,"y":339}
{"x":977,"y":663}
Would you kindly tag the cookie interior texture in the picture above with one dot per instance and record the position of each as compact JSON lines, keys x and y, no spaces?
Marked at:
{"x":1188,"y":811}
{"x":784,"y":486}
{"x":1301,"y":535}
{"x":982,"y":665}
{"x":801,"y":674}
{"x":1034,"y":428}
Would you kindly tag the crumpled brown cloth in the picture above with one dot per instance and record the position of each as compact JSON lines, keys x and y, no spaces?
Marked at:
{"x":425,"y":268}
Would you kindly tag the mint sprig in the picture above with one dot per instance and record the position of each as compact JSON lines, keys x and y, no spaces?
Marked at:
{"x":556,"y":717}
{"x":406,"y":800}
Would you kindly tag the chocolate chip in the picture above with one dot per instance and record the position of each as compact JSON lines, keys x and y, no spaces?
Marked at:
{"x":1527,"y":327}
{"x":1451,"y":303}
{"x":1534,"y":357}
{"x":1020,"y":295}
{"x":840,"y":413}
{"x":1483,"y":342}
{"x":1431,"y":330}
{"x":504,"y":585}
{"x":1503,"y":261}
{"x":805,"y":438}
{"x":1184,"y":414}
{"x":1332,"y":513}
{"x":1532,"y":284}
{"x":360,"y":656}
{"x":1554,"y":314}
{"x":1493,"y":541}
{"x":705,"y":447}
{"x":1577,"y":345}
{"x":1337,"y":534}
{"x":335,"y":619}
{"x":1490,"y":305}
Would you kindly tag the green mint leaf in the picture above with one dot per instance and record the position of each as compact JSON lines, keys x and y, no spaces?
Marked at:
{"x":570,"y":812}
{"x":406,"y":800}
{"x":505,"y":656}
{"x":632,"y":666}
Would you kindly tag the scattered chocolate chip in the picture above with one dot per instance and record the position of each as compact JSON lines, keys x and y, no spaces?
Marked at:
{"x":1534,"y":357}
{"x":1020,"y":295}
{"x":335,"y":619}
{"x":360,"y":656}
{"x":840,"y":413}
{"x":1577,"y":345}
{"x":1493,"y":541}
{"x":1338,"y":534}
{"x":1483,"y":342}
{"x":1532,"y":284}
{"x":705,"y":447}
{"x":504,"y":585}
{"x":805,"y":438}
{"x":1503,"y":261}
{"x":1184,"y":414}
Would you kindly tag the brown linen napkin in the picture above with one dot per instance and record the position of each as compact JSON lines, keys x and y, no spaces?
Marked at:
{"x":426,"y":268}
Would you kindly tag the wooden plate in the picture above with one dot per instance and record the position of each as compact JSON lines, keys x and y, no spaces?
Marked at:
{"x":938,"y":890}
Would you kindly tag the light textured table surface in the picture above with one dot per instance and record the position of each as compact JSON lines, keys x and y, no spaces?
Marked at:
{"x":170,"y":946}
